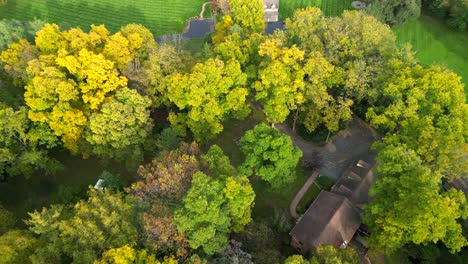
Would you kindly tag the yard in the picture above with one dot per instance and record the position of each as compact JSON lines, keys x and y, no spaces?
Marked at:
{"x":328,"y":7}
{"x":160,"y":16}
{"x":436,"y":43}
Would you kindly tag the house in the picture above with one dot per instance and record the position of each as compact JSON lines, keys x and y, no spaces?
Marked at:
{"x":271,"y":10}
{"x":334,"y":217}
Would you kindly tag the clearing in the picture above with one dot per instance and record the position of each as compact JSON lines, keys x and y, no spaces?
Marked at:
{"x":160,"y":16}
{"x":434,"y":42}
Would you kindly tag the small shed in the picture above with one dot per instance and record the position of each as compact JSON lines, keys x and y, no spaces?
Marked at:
{"x":99,"y":185}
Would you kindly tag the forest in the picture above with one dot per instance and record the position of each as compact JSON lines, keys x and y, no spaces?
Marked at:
{"x":186,"y":138}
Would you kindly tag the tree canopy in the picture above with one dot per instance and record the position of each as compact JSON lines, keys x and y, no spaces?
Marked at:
{"x":408,"y":205}
{"x":83,"y":71}
{"x":211,"y":93}
{"x":269,"y":155}
{"x":82,"y":233}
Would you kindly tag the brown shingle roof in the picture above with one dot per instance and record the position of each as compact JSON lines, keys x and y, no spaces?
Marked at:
{"x":331,"y":219}
{"x":355,"y":183}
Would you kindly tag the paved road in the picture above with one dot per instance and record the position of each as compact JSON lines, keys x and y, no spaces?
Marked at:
{"x":346,"y":147}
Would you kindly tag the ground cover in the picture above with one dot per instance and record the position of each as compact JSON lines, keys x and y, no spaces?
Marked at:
{"x":21,"y":195}
{"x":160,"y":16}
{"x":328,"y":7}
{"x":434,"y":42}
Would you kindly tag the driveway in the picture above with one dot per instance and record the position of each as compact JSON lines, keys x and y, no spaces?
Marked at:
{"x":344,"y":148}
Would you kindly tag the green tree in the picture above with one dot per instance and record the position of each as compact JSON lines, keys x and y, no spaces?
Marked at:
{"x":305,"y":29}
{"x":269,"y":155}
{"x":356,"y":44}
{"x":7,"y":220}
{"x":248,"y":15}
{"x":16,"y":246}
{"x":328,"y":254}
{"x":280,"y":84}
{"x":240,"y":200}
{"x":426,"y":108}
{"x":204,"y":218}
{"x":12,"y":31}
{"x":23,"y":144}
{"x":394,"y":12}
{"x":82,"y":233}
{"x":408,"y":206}
{"x":211,"y":93}
{"x":212,"y":209}
{"x":120,"y":127}
{"x":15,"y":60}
{"x":296,"y":259}
{"x":321,"y":107}
{"x":216,"y":164}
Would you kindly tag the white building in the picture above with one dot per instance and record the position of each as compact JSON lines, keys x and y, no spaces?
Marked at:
{"x":271,"y":10}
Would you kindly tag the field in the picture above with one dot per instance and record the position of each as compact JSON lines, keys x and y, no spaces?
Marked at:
{"x":328,"y":7}
{"x":436,"y":43}
{"x":160,"y":16}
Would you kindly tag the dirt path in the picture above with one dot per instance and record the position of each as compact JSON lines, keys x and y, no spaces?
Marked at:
{"x":346,"y":147}
{"x":301,"y":193}
{"x":203,"y":9}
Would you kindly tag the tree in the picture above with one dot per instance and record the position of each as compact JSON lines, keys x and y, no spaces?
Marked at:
{"x":357,"y":45}
{"x":296,"y":259}
{"x":12,"y":31}
{"x":7,"y":220}
{"x":280,"y":84}
{"x":204,"y":219}
{"x":162,"y":184}
{"x":328,"y":254}
{"x":408,"y":206}
{"x":216,"y":164}
{"x":212,"y":209}
{"x":426,"y":109}
{"x":168,"y":176}
{"x":161,"y":234}
{"x":394,"y":12}
{"x":15,"y":60}
{"x":23,"y":144}
{"x":305,"y":28}
{"x":162,"y":62}
{"x":83,"y":71}
{"x":129,"y":255}
{"x":120,"y":127}
{"x":211,"y":93}
{"x":16,"y":246}
{"x":455,"y":11}
{"x":248,"y":15}
{"x":320,"y":107}
{"x":269,"y":155}
{"x":82,"y":233}
{"x":240,"y":199}
{"x":244,"y":50}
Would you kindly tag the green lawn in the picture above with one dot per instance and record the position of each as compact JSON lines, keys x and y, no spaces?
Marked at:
{"x":160,"y":16}
{"x":436,"y":43}
{"x":328,"y":7}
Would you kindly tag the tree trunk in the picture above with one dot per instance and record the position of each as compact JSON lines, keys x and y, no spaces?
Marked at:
{"x":328,"y":136}
{"x":295,"y":120}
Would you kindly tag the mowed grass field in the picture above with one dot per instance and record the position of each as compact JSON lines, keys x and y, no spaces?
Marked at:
{"x":328,"y":7}
{"x":434,"y":42}
{"x":160,"y":16}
